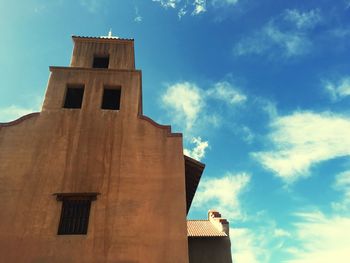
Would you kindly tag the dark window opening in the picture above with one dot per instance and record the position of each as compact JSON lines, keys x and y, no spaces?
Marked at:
{"x":111,"y":99}
{"x":75,"y":213}
{"x":101,"y":62}
{"x":74,"y":217}
{"x":74,"y":97}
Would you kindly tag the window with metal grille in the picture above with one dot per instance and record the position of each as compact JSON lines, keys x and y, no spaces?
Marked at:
{"x":111,"y":98}
{"x":75,"y":213}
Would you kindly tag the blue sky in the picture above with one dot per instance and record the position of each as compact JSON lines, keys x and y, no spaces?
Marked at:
{"x":260,"y":90}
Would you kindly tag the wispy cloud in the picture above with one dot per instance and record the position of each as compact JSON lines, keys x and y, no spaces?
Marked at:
{"x":223,"y":194}
{"x":303,"y":20}
{"x":138,"y":17}
{"x":303,"y":139}
{"x":246,"y":248}
{"x":199,"y":149}
{"x":340,"y":32}
{"x":288,"y":34}
{"x":168,"y":3}
{"x":320,"y":239}
{"x":193,"y":7}
{"x":226,"y":92}
{"x":199,"y":7}
{"x":342,"y":184}
{"x":13,"y":112}
{"x":347,"y":4}
{"x":339,"y":89}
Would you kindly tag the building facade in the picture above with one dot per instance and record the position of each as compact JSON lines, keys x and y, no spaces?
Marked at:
{"x":89,"y":178}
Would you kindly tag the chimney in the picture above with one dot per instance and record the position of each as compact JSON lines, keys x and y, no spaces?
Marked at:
{"x":220,"y":223}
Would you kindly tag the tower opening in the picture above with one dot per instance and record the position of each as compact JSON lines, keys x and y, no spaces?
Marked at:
{"x":111,"y":98}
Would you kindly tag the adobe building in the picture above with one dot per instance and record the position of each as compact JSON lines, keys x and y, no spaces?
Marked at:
{"x":90,"y":179}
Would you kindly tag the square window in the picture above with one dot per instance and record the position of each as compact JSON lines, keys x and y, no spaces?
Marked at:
{"x":111,"y":98}
{"x":74,"y":97}
{"x":101,"y":62}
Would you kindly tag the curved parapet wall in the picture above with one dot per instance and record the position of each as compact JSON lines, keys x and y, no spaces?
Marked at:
{"x":19,"y":120}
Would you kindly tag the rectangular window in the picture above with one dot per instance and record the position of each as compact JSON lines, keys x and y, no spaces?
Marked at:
{"x":111,"y":98}
{"x":74,"y":97}
{"x":75,"y":213}
{"x":74,"y":217}
{"x":100,"y":62}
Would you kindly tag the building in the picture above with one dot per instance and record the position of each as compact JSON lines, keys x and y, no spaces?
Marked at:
{"x":90,"y":178}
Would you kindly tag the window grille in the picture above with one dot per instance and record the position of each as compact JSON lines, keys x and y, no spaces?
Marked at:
{"x":75,"y":213}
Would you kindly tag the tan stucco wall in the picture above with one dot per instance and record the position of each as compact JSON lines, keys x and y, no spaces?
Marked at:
{"x":209,"y":250}
{"x":121,"y":52}
{"x":137,"y":167}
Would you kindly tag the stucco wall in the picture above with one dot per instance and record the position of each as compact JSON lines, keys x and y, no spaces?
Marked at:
{"x":209,"y":250}
{"x":135,"y":165}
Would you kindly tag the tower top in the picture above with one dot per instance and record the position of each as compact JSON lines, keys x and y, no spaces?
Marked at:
{"x":110,"y":35}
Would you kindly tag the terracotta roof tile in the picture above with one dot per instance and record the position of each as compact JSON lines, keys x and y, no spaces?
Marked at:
{"x":203,"y":228}
{"x":103,"y":37}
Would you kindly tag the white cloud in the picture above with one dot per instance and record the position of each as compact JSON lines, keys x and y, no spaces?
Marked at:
{"x":244,"y":246}
{"x":303,"y":139}
{"x":198,"y":151}
{"x":13,"y":112}
{"x":303,"y":20}
{"x":226,"y":92}
{"x":194,"y":7}
{"x":223,"y":194}
{"x":278,"y":232}
{"x":182,"y":12}
{"x":168,"y":3}
{"x":342,"y":183}
{"x":340,"y":89}
{"x":199,"y":7}
{"x":186,"y":101}
{"x":321,"y":239}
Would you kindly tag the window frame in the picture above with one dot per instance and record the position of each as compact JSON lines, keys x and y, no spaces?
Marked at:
{"x":77,"y":222}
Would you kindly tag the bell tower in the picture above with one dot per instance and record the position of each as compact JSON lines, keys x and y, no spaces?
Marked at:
{"x":90,"y":178}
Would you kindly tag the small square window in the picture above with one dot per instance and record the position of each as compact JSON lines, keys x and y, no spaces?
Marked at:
{"x":75,"y":213}
{"x":74,"y":97}
{"x":101,"y":62}
{"x":111,"y":98}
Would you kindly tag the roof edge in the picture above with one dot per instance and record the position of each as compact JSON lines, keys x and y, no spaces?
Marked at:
{"x":19,"y":120}
{"x":102,"y":38}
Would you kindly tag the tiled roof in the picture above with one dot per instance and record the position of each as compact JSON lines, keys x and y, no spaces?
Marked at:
{"x":103,"y":37}
{"x":203,"y":228}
